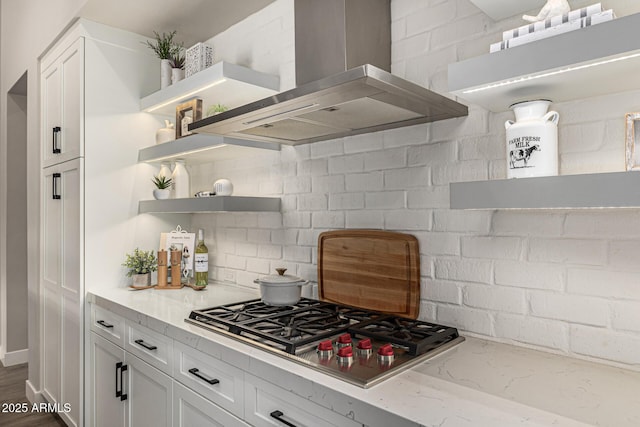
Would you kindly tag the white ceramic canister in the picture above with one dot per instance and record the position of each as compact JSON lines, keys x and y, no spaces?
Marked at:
{"x":532,"y":140}
{"x":166,"y":134}
{"x":181,"y":184}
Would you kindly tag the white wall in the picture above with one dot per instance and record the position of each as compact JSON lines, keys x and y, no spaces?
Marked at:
{"x":562,"y":281}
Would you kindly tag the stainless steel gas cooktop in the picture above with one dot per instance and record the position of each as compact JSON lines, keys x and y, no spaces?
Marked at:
{"x":358,"y":346}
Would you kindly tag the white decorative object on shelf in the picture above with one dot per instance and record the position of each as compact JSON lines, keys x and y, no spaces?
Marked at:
{"x":551,"y":8}
{"x":181,"y":182}
{"x":223,"y":187}
{"x":532,"y":140}
{"x":165,"y":73}
{"x":166,"y":134}
{"x":198,"y":58}
{"x":177,"y":74}
{"x":573,"y":15}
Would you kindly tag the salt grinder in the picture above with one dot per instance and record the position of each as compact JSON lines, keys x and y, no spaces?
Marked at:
{"x":162,"y":268}
{"x":176,"y":273}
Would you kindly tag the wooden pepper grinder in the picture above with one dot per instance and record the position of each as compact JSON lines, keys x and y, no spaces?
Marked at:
{"x":162,"y":268}
{"x":176,"y":271}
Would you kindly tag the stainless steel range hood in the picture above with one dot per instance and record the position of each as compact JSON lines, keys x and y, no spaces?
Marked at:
{"x":335,"y":38}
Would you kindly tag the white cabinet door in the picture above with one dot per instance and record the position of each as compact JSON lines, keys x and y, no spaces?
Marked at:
{"x":61,"y":286}
{"x":63,"y":104}
{"x":107,"y":407}
{"x":148,"y":394}
{"x":192,"y":410}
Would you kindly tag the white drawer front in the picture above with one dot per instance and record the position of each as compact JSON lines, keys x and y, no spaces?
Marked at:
{"x":152,"y":347}
{"x":270,"y":405}
{"x":214,"y":379}
{"x":107,"y":324}
{"x":192,"y":410}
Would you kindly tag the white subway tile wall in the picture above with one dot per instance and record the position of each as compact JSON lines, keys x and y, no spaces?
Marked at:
{"x":566,"y":281}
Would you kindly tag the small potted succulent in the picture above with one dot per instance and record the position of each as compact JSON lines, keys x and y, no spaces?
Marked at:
{"x":165,"y":48}
{"x":177,"y":66}
{"x":216,"y":109}
{"x":141,"y":264}
{"x":163,"y":187}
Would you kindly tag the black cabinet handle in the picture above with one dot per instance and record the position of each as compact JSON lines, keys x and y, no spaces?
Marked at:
{"x":145,"y":345}
{"x":54,"y":180}
{"x":278,"y":416}
{"x":195,"y":371}
{"x":56,"y":132}
{"x":119,"y":393}
{"x":103,"y":323}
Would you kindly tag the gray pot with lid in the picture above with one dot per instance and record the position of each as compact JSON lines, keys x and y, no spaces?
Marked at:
{"x":280,"y":289}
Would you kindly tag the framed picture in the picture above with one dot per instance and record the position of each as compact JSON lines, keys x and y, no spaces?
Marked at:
{"x":180,"y":239}
{"x":187,"y":113}
{"x":632,"y":141}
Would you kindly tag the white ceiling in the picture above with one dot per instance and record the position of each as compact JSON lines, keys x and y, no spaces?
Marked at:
{"x":500,"y":9}
{"x":195,"y":20}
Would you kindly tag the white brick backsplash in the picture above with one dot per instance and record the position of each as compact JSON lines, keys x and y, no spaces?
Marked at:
{"x":463,"y":270}
{"x":388,"y":159}
{"x":523,"y":223}
{"x":407,"y":220}
{"x":441,"y":291}
{"x":462,"y":221}
{"x":626,"y":316}
{"x":297,"y":254}
{"x":572,"y":251}
{"x":434,"y":243}
{"x":491,"y":247}
{"x":606,"y":225}
{"x":526,"y":329}
{"x":539,"y":278}
{"x":346,"y":201}
{"x":370,"y":181}
{"x":431,"y":154}
{"x":327,"y":219}
{"x":365,"y":219}
{"x":467,"y":319}
{"x":328,"y":184}
{"x":603,"y":344}
{"x":604,"y":283}
{"x":400,"y":179}
{"x":385,"y":200}
{"x":495,"y":298}
{"x":625,"y":255}
{"x":575,"y":309}
{"x":528,"y":275}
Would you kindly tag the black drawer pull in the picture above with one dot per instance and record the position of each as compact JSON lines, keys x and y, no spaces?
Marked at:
{"x":56,"y":132}
{"x":55,"y":195}
{"x":103,"y":323}
{"x":278,"y":416}
{"x":145,"y":345}
{"x":119,"y":393}
{"x":195,"y":371}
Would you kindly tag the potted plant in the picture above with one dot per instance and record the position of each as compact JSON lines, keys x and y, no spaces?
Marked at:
{"x":165,"y":47}
{"x":216,"y":109}
{"x":163,"y":187}
{"x":177,"y":66}
{"x":141,"y":264}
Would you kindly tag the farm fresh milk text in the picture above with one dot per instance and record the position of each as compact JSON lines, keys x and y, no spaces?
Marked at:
{"x":532,"y":140}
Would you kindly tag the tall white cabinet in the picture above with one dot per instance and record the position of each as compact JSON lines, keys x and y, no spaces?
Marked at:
{"x":91,"y":129}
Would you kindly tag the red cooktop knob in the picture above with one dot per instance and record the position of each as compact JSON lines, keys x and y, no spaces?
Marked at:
{"x":325,"y":346}
{"x":345,"y":352}
{"x":365,"y":344}
{"x":344,"y":339}
{"x":385,"y":350}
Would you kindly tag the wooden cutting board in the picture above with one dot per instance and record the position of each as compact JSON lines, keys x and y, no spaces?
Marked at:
{"x":370,"y":269}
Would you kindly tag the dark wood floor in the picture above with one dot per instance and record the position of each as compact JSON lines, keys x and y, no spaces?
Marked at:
{"x":12,"y":383}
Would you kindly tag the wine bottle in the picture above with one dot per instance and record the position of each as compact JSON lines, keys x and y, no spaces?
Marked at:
{"x":201,"y":260}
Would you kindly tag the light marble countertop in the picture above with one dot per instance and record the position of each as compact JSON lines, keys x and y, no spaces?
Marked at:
{"x":476,"y":383}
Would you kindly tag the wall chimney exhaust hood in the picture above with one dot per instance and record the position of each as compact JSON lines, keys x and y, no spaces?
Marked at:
{"x":344,"y":87}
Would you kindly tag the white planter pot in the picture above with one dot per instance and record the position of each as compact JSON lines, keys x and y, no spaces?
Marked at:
{"x":532,"y":140}
{"x":177,"y":74}
{"x":142,"y":279}
{"x":159,"y":194}
{"x":165,"y":73}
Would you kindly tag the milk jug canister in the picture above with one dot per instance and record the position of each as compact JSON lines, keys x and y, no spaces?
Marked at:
{"x":532,"y":140}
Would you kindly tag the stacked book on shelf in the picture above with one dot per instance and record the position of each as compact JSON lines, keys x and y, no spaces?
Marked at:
{"x":553,"y":26}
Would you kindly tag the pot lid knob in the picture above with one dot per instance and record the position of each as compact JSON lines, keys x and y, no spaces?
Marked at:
{"x":281,"y":271}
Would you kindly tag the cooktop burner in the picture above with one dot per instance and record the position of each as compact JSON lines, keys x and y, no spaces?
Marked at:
{"x":359,"y":346}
